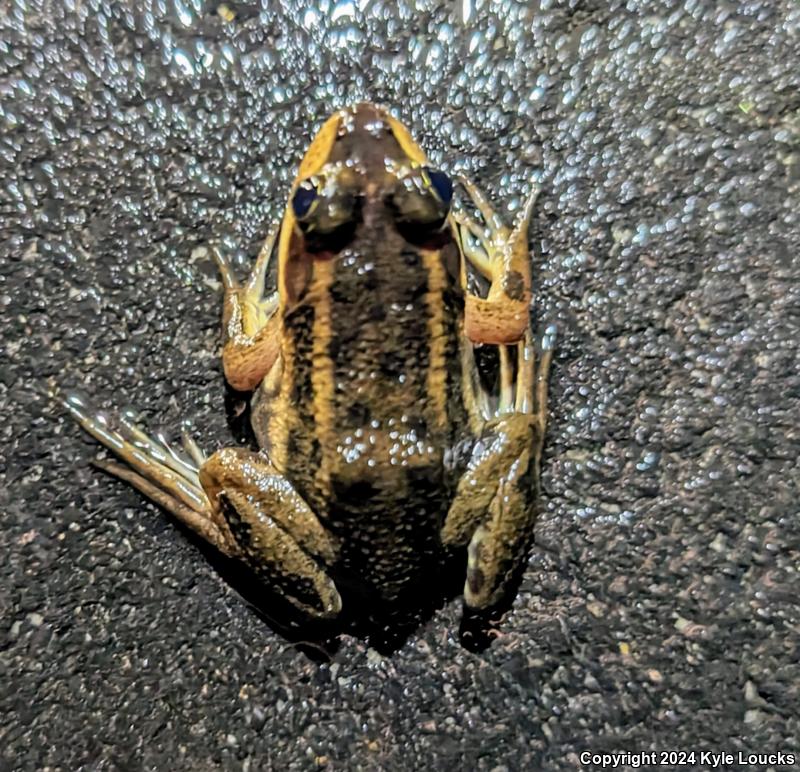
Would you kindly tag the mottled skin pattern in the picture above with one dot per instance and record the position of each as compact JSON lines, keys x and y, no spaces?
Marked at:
{"x":380,"y":486}
{"x":386,"y":491}
{"x":380,"y":451}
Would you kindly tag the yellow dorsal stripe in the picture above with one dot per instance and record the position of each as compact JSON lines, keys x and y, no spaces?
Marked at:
{"x":406,"y":142}
{"x":437,"y":365}
{"x":315,"y":158}
{"x":322,"y":380}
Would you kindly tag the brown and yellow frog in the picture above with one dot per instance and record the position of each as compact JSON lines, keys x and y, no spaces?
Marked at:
{"x":381,"y":449}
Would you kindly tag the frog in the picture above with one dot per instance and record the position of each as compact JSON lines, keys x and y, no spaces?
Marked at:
{"x":381,"y":449}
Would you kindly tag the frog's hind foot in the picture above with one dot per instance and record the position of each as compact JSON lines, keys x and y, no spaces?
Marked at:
{"x":167,"y":476}
{"x":235,"y":500}
{"x":523,"y":378}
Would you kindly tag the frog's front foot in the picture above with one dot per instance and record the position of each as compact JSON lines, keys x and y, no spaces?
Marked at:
{"x":235,"y":500}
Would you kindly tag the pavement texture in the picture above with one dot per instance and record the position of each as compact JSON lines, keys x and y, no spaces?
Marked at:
{"x":659,"y":610}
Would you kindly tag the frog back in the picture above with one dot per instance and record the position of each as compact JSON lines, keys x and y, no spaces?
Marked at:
{"x":369,"y":401}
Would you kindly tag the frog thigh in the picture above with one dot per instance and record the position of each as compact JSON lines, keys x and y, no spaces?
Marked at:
{"x":250,"y":322}
{"x":275,"y":531}
{"x":235,"y":500}
{"x":493,"y":510}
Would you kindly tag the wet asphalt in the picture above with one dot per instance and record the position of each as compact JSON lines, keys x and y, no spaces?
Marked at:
{"x":659,"y":610}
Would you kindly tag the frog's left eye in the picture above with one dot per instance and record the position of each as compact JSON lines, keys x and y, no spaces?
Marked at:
{"x":441,"y":183}
{"x":420,"y":203}
{"x":303,"y":199}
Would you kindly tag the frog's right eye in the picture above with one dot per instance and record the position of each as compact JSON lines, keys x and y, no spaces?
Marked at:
{"x":303,"y":199}
{"x":327,"y":210}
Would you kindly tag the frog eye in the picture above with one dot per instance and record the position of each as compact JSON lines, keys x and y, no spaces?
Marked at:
{"x":303,"y":199}
{"x":420,"y":203}
{"x":441,"y":183}
{"x":327,"y":210}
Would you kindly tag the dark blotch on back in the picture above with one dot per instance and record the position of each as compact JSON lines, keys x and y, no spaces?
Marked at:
{"x":353,"y":492}
{"x":358,"y":414}
{"x":392,"y":364}
{"x":411,"y":258}
{"x":514,"y":285}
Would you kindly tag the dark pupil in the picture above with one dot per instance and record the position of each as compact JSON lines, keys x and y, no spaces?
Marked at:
{"x":442,"y":185}
{"x":303,"y":198}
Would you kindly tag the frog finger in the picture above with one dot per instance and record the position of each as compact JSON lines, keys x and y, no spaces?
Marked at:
{"x":226,"y":273}
{"x":197,"y":521}
{"x":474,"y":246}
{"x":506,"y":404}
{"x":476,"y":243}
{"x":541,"y":378}
{"x":140,"y":452}
{"x":526,"y":364}
{"x":255,"y":284}
{"x":158,"y":449}
{"x":191,"y":447}
{"x":492,"y":219}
